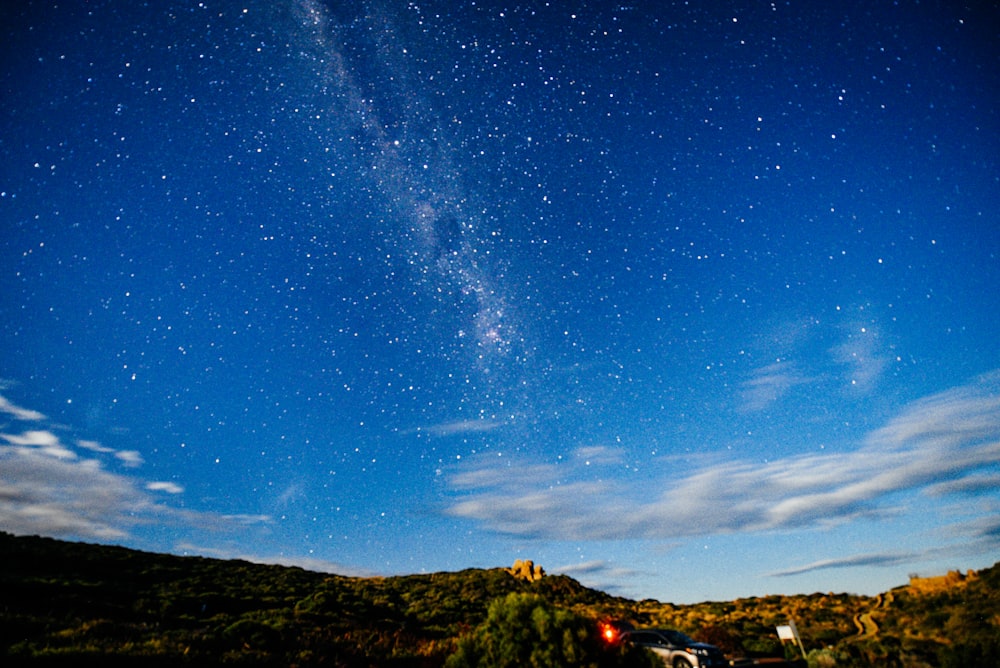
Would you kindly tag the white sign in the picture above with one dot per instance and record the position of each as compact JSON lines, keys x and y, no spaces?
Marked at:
{"x":790,"y":633}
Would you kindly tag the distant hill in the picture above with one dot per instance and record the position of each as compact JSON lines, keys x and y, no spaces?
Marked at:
{"x":67,"y":604}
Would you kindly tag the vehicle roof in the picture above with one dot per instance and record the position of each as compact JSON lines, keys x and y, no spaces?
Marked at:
{"x":670,"y":634}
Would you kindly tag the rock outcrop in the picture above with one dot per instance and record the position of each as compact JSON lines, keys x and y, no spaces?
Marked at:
{"x":526,"y":570}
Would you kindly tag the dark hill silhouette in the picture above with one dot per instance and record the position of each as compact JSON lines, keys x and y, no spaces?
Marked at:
{"x":65,"y":603}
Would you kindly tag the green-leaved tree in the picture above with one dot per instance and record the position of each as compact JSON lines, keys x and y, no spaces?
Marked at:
{"x":523,"y":630}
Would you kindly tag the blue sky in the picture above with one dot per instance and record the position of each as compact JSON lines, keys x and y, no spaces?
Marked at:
{"x":688,"y":303}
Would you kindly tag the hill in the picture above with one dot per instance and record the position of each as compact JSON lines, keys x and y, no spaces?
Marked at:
{"x":70,"y":603}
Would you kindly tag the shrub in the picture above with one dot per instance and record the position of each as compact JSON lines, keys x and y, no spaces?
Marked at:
{"x":524,"y":630}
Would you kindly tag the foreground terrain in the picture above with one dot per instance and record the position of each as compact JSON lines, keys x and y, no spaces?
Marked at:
{"x":69,"y":603}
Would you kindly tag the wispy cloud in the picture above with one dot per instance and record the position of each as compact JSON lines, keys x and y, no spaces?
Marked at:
{"x":978,"y":536}
{"x":94,"y":446}
{"x":161,"y":486}
{"x":131,"y":458}
{"x":308,"y":563}
{"x":803,"y":354}
{"x":880,"y":559}
{"x":862,"y":354}
{"x":45,"y":441}
{"x":597,"y":567}
{"x":67,"y":490}
{"x":977,"y":483}
{"x":599,"y":574}
{"x":457,"y":427}
{"x":19,"y":413}
{"x":768,"y":385}
{"x":983,"y":532}
{"x":66,"y":496}
{"x":931,"y":447}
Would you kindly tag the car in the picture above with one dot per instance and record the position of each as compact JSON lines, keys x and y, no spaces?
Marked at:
{"x":676,"y":649}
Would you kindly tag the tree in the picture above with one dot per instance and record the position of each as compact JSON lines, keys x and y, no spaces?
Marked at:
{"x":526,"y":630}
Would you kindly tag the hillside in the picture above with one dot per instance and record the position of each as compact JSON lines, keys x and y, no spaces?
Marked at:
{"x":69,"y":603}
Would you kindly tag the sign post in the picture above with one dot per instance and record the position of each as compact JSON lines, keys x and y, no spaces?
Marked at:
{"x":789,"y":633}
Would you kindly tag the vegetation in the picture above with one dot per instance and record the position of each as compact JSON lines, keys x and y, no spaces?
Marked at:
{"x":527,"y":630}
{"x":75,"y":604}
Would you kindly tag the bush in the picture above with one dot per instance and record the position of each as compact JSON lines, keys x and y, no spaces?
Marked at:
{"x":982,"y":653}
{"x":524,"y":630}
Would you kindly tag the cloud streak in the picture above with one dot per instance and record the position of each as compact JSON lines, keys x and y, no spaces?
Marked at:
{"x":19,"y":413}
{"x":307,"y":563}
{"x":979,"y":536}
{"x":944,"y":443}
{"x":878,"y":559}
{"x":66,"y":496}
{"x":52,"y":488}
{"x":457,"y":427}
{"x":768,"y":385}
{"x":599,"y":573}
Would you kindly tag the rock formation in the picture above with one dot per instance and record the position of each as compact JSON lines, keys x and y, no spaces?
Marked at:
{"x":526,"y":570}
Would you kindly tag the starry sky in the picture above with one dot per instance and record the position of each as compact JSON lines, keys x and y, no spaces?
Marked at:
{"x":686,"y":301}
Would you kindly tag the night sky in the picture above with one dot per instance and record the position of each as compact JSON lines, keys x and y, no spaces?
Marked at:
{"x":685,"y":302}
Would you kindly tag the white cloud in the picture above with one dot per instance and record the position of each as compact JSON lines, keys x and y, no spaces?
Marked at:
{"x":458,"y":427}
{"x":977,"y":483}
{"x":162,"y":486}
{"x":19,"y":413}
{"x":130,"y":457}
{"x":859,"y":353}
{"x":307,"y":563}
{"x":317,"y":565}
{"x":952,"y":436}
{"x":94,"y":446}
{"x":862,"y":355}
{"x":768,"y":385}
{"x":597,"y":568}
{"x":64,"y":497}
{"x":46,"y":442}
{"x":598,"y":574}
{"x":977,"y":536}
{"x":80,"y":499}
{"x":597,"y":454}
{"x":247,"y":519}
{"x":876,"y":559}
{"x":39,"y":437}
{"x":984,"y":530}
{"x":49,"y":488}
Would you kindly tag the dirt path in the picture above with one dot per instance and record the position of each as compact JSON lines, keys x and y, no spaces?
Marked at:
{"x":865,"y":621}
{"x":866,"y":624}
